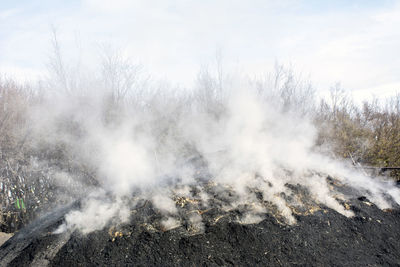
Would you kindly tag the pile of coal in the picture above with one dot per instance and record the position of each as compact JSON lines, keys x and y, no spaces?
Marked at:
{"x":320,"y":237}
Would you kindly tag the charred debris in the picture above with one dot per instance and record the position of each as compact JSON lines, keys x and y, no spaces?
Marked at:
{"x":216,"y":235}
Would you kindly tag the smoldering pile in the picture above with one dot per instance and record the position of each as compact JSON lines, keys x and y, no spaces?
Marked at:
{"x":218,"y":234}
{"x":250,"y":149}
{"x":229,"y":179}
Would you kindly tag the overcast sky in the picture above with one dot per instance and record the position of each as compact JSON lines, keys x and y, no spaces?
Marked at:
{"x":355,"y":42}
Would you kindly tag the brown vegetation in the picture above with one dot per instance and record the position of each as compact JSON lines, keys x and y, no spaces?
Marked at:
{"x":368,"y":134}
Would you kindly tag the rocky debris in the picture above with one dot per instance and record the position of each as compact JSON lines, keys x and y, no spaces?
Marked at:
{"x":218,"y":236}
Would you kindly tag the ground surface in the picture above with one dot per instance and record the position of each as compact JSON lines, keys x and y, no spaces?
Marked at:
{"x":322,"y":237}
{"x":4,"y":237}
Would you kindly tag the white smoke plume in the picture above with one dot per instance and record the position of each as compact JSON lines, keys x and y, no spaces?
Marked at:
{"x":140,"y":148}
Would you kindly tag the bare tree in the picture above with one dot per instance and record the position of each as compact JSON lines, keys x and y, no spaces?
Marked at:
{"x":56,"y":63}
{"x":286,"y":89}
{"x":121,"y":77}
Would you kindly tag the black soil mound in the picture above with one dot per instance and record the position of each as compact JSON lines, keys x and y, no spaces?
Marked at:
{"x":321,"y":237}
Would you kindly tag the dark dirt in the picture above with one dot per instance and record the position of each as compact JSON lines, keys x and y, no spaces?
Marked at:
{"x":320,"y":238}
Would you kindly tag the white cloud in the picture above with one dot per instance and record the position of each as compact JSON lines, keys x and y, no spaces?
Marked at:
{"x":107,"y":6}
{"x":173,"y":38}
{"x":5,"y":14}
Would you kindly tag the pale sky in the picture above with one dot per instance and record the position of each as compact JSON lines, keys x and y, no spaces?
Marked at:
{"x":355,"y":42}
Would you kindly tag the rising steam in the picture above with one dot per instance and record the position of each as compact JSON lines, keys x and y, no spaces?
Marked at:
{"x":163,"y":144}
